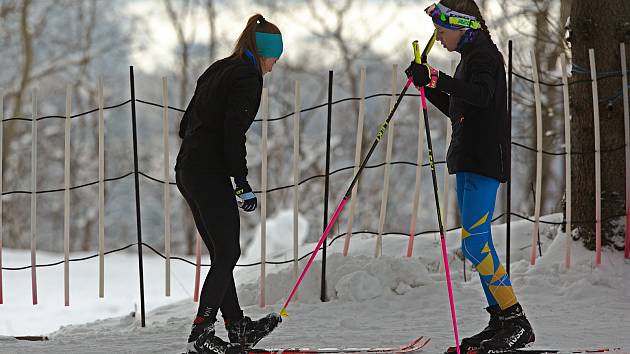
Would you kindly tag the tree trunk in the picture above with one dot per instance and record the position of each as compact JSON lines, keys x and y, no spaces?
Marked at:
{"x":552,"y":36}
{"x":10,"y":131}
{"x":541,"y":50}
{"x":595,"y":25}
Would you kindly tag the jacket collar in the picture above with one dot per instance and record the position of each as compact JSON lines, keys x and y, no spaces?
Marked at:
{"x":481,"y":40}
{"x":252,"y":59}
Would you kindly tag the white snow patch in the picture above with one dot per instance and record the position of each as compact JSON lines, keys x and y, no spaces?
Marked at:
{"x":370,"y":301}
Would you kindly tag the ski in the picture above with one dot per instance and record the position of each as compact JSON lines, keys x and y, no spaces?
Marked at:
{"x":414,"y":346}
{"x":556,"y":351}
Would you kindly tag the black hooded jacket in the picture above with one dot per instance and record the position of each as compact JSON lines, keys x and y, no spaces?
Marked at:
{"x":221,"y":111}
{"x":476,"y":102}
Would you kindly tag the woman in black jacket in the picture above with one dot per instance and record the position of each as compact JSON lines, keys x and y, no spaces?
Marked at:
{"x":475,"y":101}
{"x":213,"y":129}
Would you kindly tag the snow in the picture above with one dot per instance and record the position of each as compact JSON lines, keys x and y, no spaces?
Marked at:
{"x":280,"y":225}
{"x":372,"y":301}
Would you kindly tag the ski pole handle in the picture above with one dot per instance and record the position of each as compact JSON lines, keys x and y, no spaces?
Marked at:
{"x":416,"y":52}
{"x":422,"y":58}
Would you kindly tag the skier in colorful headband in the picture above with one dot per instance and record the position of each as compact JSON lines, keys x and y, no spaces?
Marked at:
{"x":213,"y":130}
{"x":475,"y":100}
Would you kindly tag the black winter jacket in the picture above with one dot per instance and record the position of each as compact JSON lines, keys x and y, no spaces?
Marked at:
{"x":222,"y":109}
{"x":475,"y":100}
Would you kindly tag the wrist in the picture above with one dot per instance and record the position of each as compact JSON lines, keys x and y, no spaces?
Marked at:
{"x":248,"y":196}
{"x":434,"y":75}
{"x":241,"y":187}
{"x":445,"y":83}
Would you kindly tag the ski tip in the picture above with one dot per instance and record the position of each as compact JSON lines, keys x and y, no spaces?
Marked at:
{"x":283,"y":313}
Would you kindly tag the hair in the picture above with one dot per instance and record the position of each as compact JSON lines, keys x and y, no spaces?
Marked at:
{"x":247,"y":39}
{"x":469,"y":7}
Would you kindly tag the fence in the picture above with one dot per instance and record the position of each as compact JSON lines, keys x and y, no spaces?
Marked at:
{"x":265,"y":120}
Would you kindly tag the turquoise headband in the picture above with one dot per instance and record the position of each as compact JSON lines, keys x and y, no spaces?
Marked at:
{"x":269,"y":45}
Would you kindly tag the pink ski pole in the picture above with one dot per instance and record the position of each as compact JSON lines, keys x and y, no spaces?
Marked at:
{"x":423,"y":59}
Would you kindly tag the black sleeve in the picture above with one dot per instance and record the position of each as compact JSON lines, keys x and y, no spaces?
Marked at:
{"x":242,"y":104}
{"x":479,"y":89}
{"x":439,"y":99}
{"x":183,"y":124}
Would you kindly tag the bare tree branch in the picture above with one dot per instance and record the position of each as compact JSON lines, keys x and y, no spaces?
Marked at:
{"x":177,"y":20}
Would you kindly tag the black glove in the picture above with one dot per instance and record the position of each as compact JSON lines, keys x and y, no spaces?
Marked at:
{"x":422,"y":74}
{"x":244,"y":192}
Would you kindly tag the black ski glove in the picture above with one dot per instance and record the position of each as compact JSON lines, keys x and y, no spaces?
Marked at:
{"x":244,"y":192}
{"x":422,"y":74}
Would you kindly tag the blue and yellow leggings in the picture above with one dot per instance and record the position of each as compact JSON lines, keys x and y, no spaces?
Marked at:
{"x":476,"y":195}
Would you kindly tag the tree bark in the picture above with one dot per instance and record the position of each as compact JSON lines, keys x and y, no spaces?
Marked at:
{"x":598,"y":25}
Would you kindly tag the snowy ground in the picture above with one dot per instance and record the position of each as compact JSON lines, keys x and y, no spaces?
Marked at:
{"x":373,"y":301}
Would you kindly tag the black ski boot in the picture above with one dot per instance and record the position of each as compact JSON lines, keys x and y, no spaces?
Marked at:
{"x":247,"y":332}
{"x":516,"y":332}
{"x":491,"y":329}
{"x":216,"y":345}
{"x":203,"y":339}
{"x":202,"y":327}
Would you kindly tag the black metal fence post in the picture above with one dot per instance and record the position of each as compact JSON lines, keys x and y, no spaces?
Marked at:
{"x":137,"y":188}
{"x":508,"y":215}
{"x":323,"y":296}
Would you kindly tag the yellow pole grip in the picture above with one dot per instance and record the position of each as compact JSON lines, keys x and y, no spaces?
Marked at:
{"x":416,"y":52}
{"x":421,"y":58}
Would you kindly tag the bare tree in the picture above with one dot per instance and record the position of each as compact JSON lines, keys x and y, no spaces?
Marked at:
{"x":47,"y":43}
{"x":549,"y":43}
{"x":178,"y":21}
{"x":547,"y":39}
{"x":212,"y":27}
{"x":341,"y":35}
{"x":190,"y":63}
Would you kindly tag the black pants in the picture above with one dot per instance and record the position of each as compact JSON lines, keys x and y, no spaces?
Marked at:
{"x":213,"y":205}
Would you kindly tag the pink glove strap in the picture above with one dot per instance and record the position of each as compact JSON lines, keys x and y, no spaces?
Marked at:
{"x":435,"y":74}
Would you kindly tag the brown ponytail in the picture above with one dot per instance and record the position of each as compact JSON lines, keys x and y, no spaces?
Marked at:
{"x":247,"y":39}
